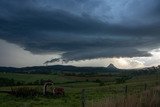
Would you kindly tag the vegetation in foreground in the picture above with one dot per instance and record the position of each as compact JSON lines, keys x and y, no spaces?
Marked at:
{"x":149,"y":98}
{"x":97,"y":88}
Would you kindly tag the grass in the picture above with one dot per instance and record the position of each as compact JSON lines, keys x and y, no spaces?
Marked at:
{"x":72,"y":98}
{"x":33,"y":77}
{"x":149,"y":98}
{"x":11,"y":101}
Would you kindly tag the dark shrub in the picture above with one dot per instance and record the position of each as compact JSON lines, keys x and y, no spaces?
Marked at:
{"x":101,"y":84}
{"x":120,"y":80}
{"x":87,"y":80}
{"x":24,"y":92}
{"x":6,"y":82}
{"x":37,"y":82}
{"x":98,"y":81}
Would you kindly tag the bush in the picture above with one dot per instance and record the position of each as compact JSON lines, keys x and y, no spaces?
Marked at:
{"x":36,"y":82}
{"x":122,"y":80}
{"x":7,"y":82}
{"x":20,"y":83}
{"x":101,"y":84}
{"x":24,"y":92}
{"x":98,"y":81}
{"x":87,"y":80}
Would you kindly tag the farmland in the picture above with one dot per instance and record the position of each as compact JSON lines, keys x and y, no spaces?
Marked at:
{"x":79,"y":53}
{"x":97,"y":88}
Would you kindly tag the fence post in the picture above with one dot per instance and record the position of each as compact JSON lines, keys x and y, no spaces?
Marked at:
{"x":126,"y":89}
{"x":145,"y":86}
{"x":83,"y":97}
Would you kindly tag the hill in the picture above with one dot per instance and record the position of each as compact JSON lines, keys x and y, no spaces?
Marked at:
{"x":61,"y":68}
{"x":58,"y":68}
{"x":111,"y":67}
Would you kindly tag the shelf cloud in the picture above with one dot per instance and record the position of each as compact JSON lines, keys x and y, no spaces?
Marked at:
{"x":82,"y":29}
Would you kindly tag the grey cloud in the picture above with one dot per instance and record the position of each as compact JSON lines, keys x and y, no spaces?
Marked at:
{"x":52,"y":61}
{"x":41,"y":29}
{"x":98,"y":53}
{"x":103,"y":53}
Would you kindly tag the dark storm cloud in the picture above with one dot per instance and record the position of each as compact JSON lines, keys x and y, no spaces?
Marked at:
{"x":43,"y":27}
{"x":91,"y":54}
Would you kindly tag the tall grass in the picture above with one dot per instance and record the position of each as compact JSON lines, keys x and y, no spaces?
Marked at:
{"x":149,"y":98}
{"x":24,"y":92}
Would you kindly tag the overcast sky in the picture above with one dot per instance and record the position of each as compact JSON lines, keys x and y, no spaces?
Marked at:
{"x":80,"y":32}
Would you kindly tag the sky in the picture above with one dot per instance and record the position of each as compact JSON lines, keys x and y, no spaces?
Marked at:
{"x":80,"y":32}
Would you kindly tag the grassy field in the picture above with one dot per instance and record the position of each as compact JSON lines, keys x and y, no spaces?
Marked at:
{"x":33,"y":77}
{"x":73,"y":85}
{"x":148,"y":98}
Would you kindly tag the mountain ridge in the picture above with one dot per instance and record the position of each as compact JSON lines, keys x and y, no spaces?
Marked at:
{"x":69,"y":68}
{"x":56,"y":68}
{"x":111,"y":66}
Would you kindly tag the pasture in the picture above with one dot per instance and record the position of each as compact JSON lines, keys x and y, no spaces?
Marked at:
{"x":97,"y":88}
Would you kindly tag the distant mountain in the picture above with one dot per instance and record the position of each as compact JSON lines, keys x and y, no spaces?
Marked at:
{"x":59,"y":68}
{"x":111,"y":66}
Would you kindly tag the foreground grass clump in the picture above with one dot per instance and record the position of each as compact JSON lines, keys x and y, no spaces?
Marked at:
{"x":150,"y":98}
{"x":24,"y":92}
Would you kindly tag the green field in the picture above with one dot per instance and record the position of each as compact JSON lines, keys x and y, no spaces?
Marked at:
{"x":33,"y":77}
{"x":73,"y":86}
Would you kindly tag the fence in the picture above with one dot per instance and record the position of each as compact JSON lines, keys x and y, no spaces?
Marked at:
{"x":125,"y":91}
